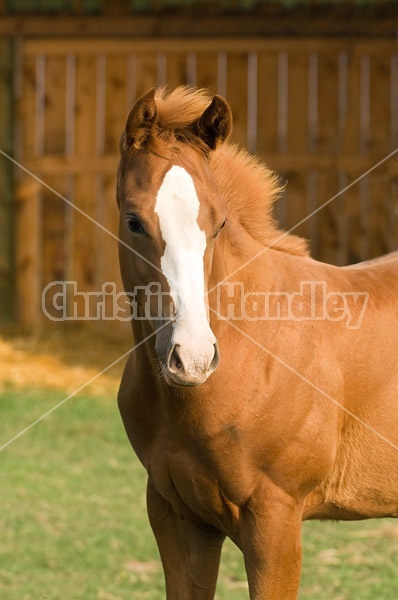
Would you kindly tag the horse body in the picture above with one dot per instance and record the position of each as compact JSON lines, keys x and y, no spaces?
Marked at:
{"x":287,"y":415}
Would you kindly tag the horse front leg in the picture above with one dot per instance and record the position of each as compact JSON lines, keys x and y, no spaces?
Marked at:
{"x":270,"y":534}
{"x":190,"y":553}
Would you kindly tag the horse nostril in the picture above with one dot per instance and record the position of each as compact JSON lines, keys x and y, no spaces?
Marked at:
{"x":216,"y":358}
{"x":174,"y":363}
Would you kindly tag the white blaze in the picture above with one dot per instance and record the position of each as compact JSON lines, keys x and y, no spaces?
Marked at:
{"x":177,"y":206}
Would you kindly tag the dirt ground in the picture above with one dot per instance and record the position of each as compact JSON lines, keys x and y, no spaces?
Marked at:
{"x":65,"y":357}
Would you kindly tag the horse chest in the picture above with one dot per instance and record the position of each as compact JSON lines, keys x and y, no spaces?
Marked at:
{"x":197,"y":483}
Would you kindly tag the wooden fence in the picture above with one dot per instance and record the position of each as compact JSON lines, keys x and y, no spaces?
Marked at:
{"x":320,"y":113}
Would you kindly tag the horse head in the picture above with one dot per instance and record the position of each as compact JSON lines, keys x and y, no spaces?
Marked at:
{"x":171,"y":214}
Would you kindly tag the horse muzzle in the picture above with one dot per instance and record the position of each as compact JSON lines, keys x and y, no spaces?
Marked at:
{"x":184,"y":368}
{"x":189,"y":359}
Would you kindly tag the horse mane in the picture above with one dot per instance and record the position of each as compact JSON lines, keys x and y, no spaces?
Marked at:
{"x":248,"y":186}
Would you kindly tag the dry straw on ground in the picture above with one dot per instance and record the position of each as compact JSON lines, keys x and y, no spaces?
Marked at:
{"x":64,"y":358}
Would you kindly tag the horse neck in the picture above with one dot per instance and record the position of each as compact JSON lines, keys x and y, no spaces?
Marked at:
{"x":235,"y":252}
{"x":240,"y":265}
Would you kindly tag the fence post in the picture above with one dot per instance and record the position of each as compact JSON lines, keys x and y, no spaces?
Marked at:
{"x":7,"y":278}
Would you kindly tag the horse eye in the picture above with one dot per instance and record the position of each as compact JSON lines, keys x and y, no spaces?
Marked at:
{"x":219,"y":229}
{"x":134,"y":225}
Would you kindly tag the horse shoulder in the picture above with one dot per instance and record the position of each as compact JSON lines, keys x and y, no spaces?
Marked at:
{"x":139,"y":406}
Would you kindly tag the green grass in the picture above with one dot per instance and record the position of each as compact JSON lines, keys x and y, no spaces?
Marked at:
{"x":73,"y":521}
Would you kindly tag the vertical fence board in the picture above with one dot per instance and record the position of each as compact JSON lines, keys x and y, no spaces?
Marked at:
{"x":86,"y":106}
{"x":53,"y":131}
{"x":350,"y":124}
{"x":379,"y":214}
{"x":109,"y":217}
{"x":324,"y":141}
{"x":267,"y":107}
{"x":116,"y":103}
{"x":236,"y":93}
{"x":29,"y":251}
{"x":85,"y":234}
{"x":176,"y":69}
{"x":146,"y":70}
{"x":28,"y":230}
{"x":298,"y":130}
{"x":7,"y":280}
{"x":296,"y":196}
{"x":380,"y":104}
{"x":392,"y":202}
{"x":27,"y":107}
{"x":327,"y":224}
{"x":298,"y":140}
{"x":206,"y":68}
{"x":350,"y":205}
{"x":55,"y":106}
{"x":328,"y":103}
{"x":53,"y":241}
{"x":85,"y":184}
{"x":110,"y":220}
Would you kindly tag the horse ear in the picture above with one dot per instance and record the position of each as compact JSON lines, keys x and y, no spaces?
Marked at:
{"x":215,"y":124}
{"x":141,"y":121}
